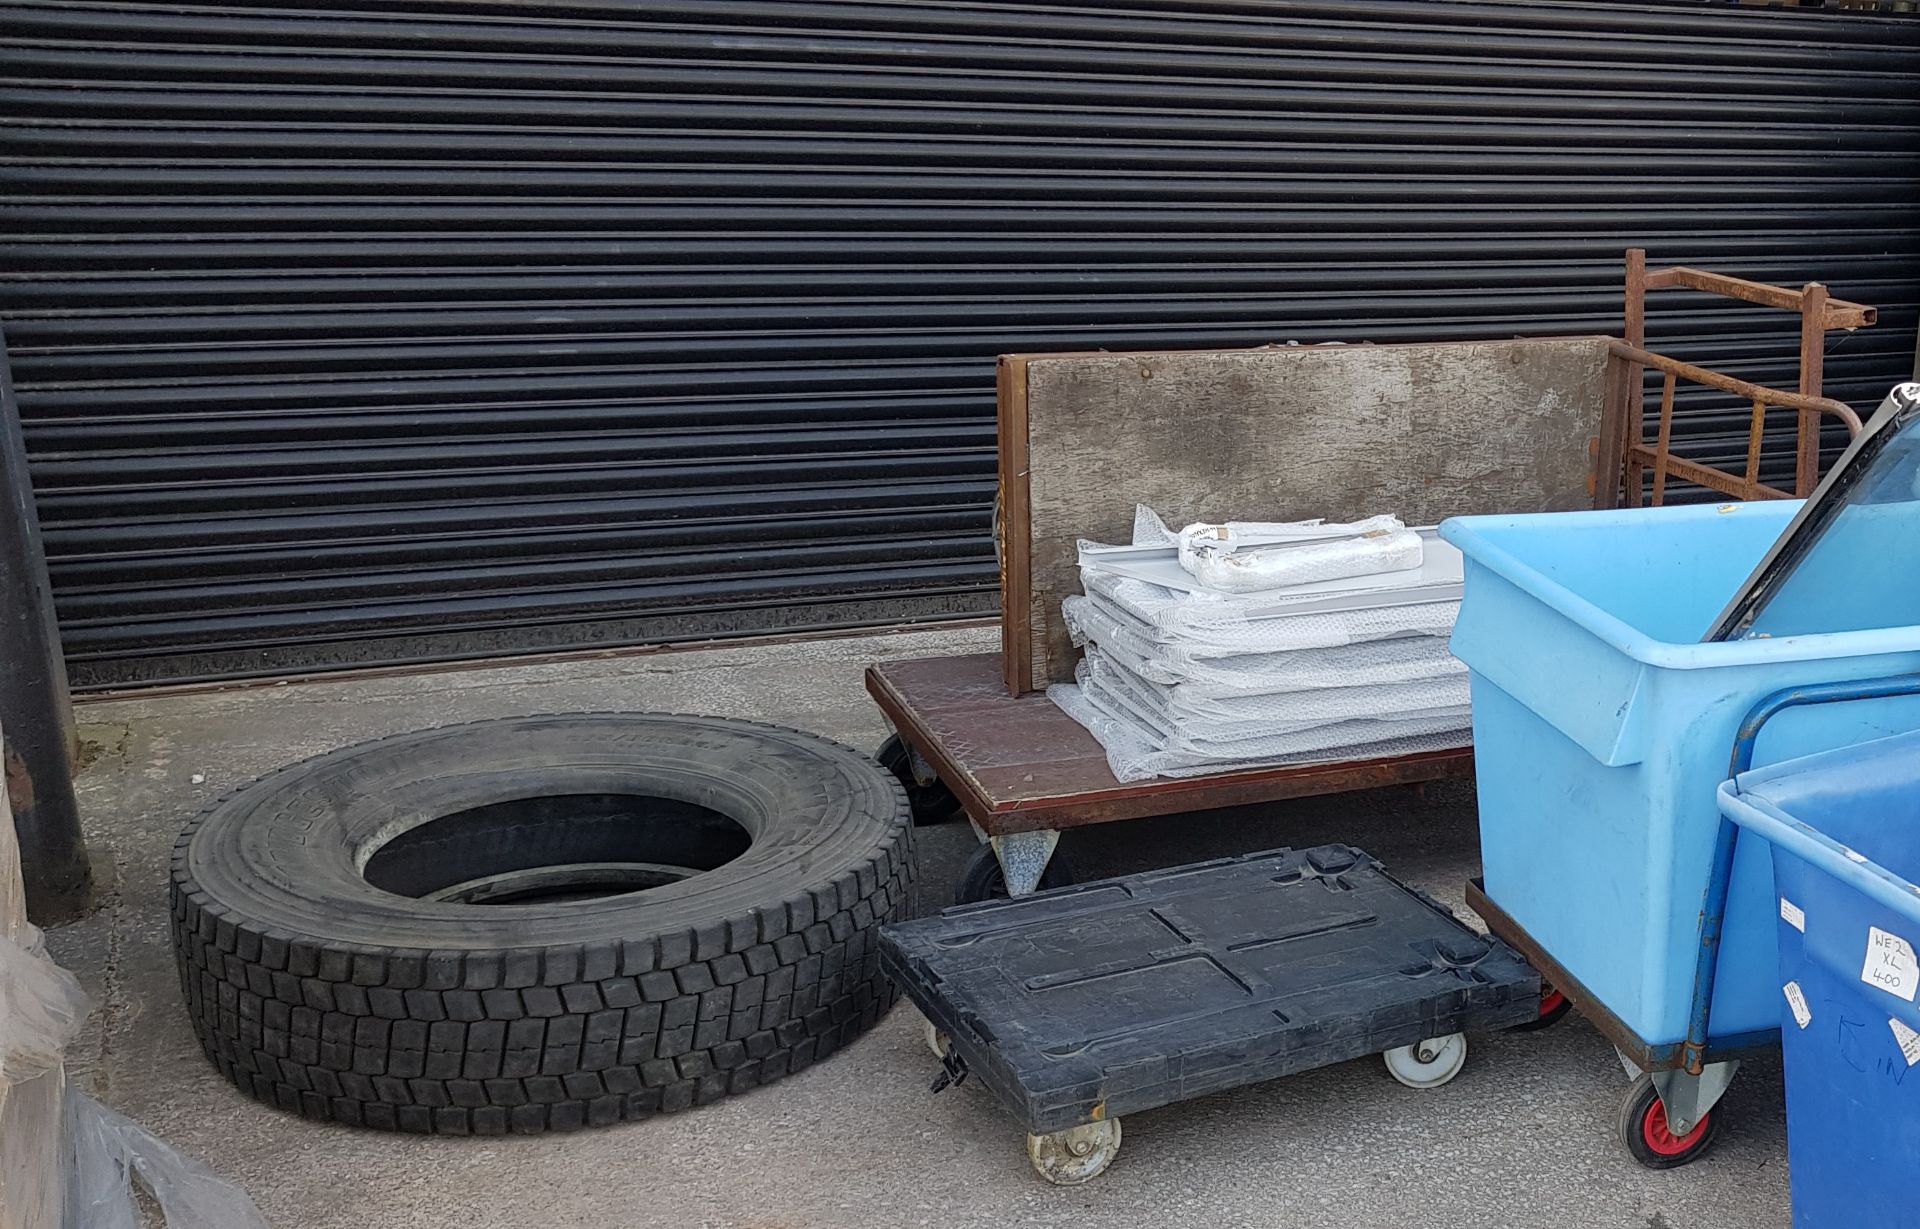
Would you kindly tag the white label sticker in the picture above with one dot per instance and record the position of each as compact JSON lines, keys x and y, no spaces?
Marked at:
{"x":1793,"y":915}
{"x":1891,"y":964}
{"x":1797,"y":1001}
{"x":1908,"y":1039}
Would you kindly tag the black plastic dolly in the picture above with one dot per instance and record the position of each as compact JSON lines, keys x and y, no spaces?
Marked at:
{"x":1081,"y":1005}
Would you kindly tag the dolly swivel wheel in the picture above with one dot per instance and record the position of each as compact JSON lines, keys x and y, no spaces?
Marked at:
{"x":935,"y":1039}
{"x":1077,"y":1154}
{"x":1649,"y":1137}
{"x":1430,"y":1063}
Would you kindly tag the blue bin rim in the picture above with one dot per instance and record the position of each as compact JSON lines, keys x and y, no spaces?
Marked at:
{"x":1758,"y":815}
{"x":1471,"y":535}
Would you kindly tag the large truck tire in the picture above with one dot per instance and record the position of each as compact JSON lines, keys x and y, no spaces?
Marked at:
{"x":540,"y":923}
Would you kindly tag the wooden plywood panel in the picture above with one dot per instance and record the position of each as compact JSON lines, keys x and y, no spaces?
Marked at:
{"x":1424,"y":431}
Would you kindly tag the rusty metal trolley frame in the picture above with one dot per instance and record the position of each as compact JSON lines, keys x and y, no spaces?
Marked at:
{"x":1021,"y":770}
{"x":1819,"y":315}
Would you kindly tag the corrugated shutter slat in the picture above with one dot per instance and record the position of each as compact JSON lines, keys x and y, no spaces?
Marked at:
{"x":351,"y":332}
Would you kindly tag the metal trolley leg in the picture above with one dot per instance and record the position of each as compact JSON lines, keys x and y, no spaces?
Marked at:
{"x":1013,"y":864}
{"x":1023,"y":858}
{"x":1688,"y":1097}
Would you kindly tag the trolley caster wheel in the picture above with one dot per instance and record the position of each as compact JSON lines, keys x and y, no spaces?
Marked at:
{"x":1430,"y":1063}
{"x":931,"y":803}
{"x":982,"y":879}
{"x":1643,"y":1129}
{"x":1077,"y":1154}
{"x":1554,"y":1007}
{"x":936,"y":1040}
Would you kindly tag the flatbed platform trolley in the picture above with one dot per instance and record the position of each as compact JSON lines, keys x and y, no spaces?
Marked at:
{"x":1080,"y":1006}
{"x":1021,"y":771}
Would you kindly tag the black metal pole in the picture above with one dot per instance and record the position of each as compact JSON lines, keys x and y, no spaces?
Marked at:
{"x":36,"y":712}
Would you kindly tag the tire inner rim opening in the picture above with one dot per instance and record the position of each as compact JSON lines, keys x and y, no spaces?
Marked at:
{"x":554,"y":849}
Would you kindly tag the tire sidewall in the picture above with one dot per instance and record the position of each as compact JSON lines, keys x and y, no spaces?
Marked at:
{"x":287,"y":851}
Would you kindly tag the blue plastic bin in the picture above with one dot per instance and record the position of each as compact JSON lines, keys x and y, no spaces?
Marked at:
{"x":1844,"y":828}
{"x":1602,"y":728}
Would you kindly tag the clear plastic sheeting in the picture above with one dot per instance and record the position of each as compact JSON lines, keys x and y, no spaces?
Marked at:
{"x":41,"y":1006}
{"x":1178,"y":681}
{"x":82,"y":1178}
{"x":111,"y":1151}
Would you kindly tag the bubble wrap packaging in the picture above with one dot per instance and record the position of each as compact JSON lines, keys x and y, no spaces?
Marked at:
{"x":1403,"y":658}
{"x":1201,"y":715}
{"x":1220,"y":625}
{"x":1137,"y":752}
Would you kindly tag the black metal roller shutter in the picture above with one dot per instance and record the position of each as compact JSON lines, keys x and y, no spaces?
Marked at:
{"x":350,"y":332}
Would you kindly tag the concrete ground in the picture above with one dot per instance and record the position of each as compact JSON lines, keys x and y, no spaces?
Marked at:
{"x":1523,"y":1138}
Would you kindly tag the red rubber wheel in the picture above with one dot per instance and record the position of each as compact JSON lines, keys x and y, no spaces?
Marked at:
{"x":1554,"y":1007}
{"x":1650,"y":1141}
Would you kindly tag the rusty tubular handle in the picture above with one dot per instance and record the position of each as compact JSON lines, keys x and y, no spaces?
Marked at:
{"x":1838,"y":313}
{"x":1772,"y":397}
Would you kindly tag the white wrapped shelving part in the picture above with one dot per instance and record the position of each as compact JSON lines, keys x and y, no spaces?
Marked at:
{"x":1258,"y":558}
{"x":1211,"y":718}
{"x":1193,"y":723}
{"x":1198,"y":629}
{"x":1398,"y":660}
{"x":1434,"y":569}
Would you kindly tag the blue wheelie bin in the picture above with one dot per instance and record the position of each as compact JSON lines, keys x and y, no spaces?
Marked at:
{"x":1844,"y":829}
